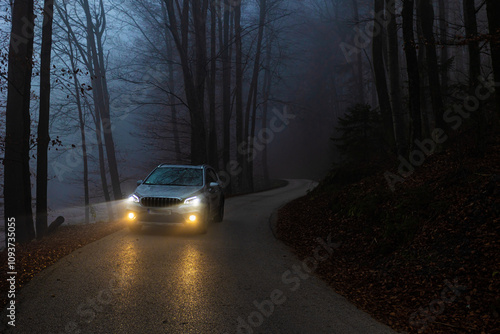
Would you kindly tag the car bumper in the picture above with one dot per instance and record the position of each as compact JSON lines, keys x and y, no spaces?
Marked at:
{"x":174,"y":215}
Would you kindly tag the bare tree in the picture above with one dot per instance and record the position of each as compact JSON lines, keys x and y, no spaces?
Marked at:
{"x":443,"y":32}
{"x":81,"y":119}
{"x":194,"y":72}
{"x":427,"y":24}
{"x":380,"y":75}
{"x":425,"y":100}
{"x":493,"y":11}
{"x":359,"y":59}
{"x":472,"y":42}
{"x":412,"y":68}
{"x":224,"y":31}
{"x":43,"y":121}
{"x":211,"y":83}
{"x":172,"y":86}
{"x":267,"y":87}
{"x":251,"y":106}
{"x":95,"y":33}
{"x":17,"y":183}
{"x":85,"y":54}
{"x":238,"y":86}
{"x":471,"y":32}
{"x":398,"y":113}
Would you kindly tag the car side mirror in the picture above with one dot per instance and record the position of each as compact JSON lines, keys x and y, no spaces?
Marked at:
{"x":212,"y":187}
{"x":139,"y":182}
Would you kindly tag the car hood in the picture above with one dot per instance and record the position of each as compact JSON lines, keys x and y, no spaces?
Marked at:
{"x":183,"y":192}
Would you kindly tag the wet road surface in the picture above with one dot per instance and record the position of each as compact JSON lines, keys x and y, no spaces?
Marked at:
{"x":235,"y":279}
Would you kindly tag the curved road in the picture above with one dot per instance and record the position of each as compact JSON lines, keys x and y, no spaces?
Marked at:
{"x":235,"y":279}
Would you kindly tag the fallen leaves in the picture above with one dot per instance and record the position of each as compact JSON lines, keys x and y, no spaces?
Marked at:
{"x":448,"y":211}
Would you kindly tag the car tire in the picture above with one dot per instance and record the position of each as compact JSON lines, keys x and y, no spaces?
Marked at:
{"x":220,"y":214}
{"x":202,"y":228}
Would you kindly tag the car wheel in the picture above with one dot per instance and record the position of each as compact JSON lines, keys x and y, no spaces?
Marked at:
{"x":220,"y":214}
{"x":202,"y":227}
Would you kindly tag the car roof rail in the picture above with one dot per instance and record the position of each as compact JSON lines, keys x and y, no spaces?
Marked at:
{"x":186,"y":165}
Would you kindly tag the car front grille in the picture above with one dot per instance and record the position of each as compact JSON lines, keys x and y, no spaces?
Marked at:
{"x":158,"y":202}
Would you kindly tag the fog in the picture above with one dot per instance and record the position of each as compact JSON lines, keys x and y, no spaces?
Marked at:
{"x":293,"y":61}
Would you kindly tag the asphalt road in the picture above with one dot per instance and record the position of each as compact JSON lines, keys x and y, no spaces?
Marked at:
{"x":235,"y":279}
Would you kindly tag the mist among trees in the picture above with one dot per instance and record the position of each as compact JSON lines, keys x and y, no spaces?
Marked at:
{"x":95,"y":93}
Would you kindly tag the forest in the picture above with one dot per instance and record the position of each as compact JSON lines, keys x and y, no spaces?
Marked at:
{"x":95,"y":93}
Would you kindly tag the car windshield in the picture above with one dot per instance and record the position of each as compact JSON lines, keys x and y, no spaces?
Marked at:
{"x":176,"y":176}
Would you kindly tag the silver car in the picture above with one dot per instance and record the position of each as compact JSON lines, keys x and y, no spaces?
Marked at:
{"x":185,"y":195}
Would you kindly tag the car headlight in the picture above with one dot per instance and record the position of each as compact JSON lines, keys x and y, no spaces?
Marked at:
{"x":193,"y":201}
{"x":134,"y":198}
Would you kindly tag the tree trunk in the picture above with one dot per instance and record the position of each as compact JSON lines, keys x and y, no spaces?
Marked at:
{"x":472,"y":43}
{"x":412,"y":68}
{"x":380,"y":78}
{"x":425,"y":102}
{"x":17,"y":180}
{"x":175,"y":121}
{"x":471,"y":34}
{"x":358,"y":72}
{"x":213,"y":155}
{"x":427,"y":20}
{"x":72,"y":55}
{"x":252,"y":95}
{"x":85,"y":159}
{"x":89,"y":58}
{"x":102,"y":166}
{"x":194,"y":80}
{"x":265,"y":105}
{"x":97,"y":96}
{"x":43,"y":121}
{"x":199,"y":9}
{"x":398,"y":116}
{"x":226,"y":91}
{"x":493,"y":10}
{"x":82,"y":132}
{"x":239,"y":89}
{"x":95,"y":64}
{"x":55,"y":224}
{"x":105,"y":112}
{"x":172,"y":85}
{"x":443,"y":31}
